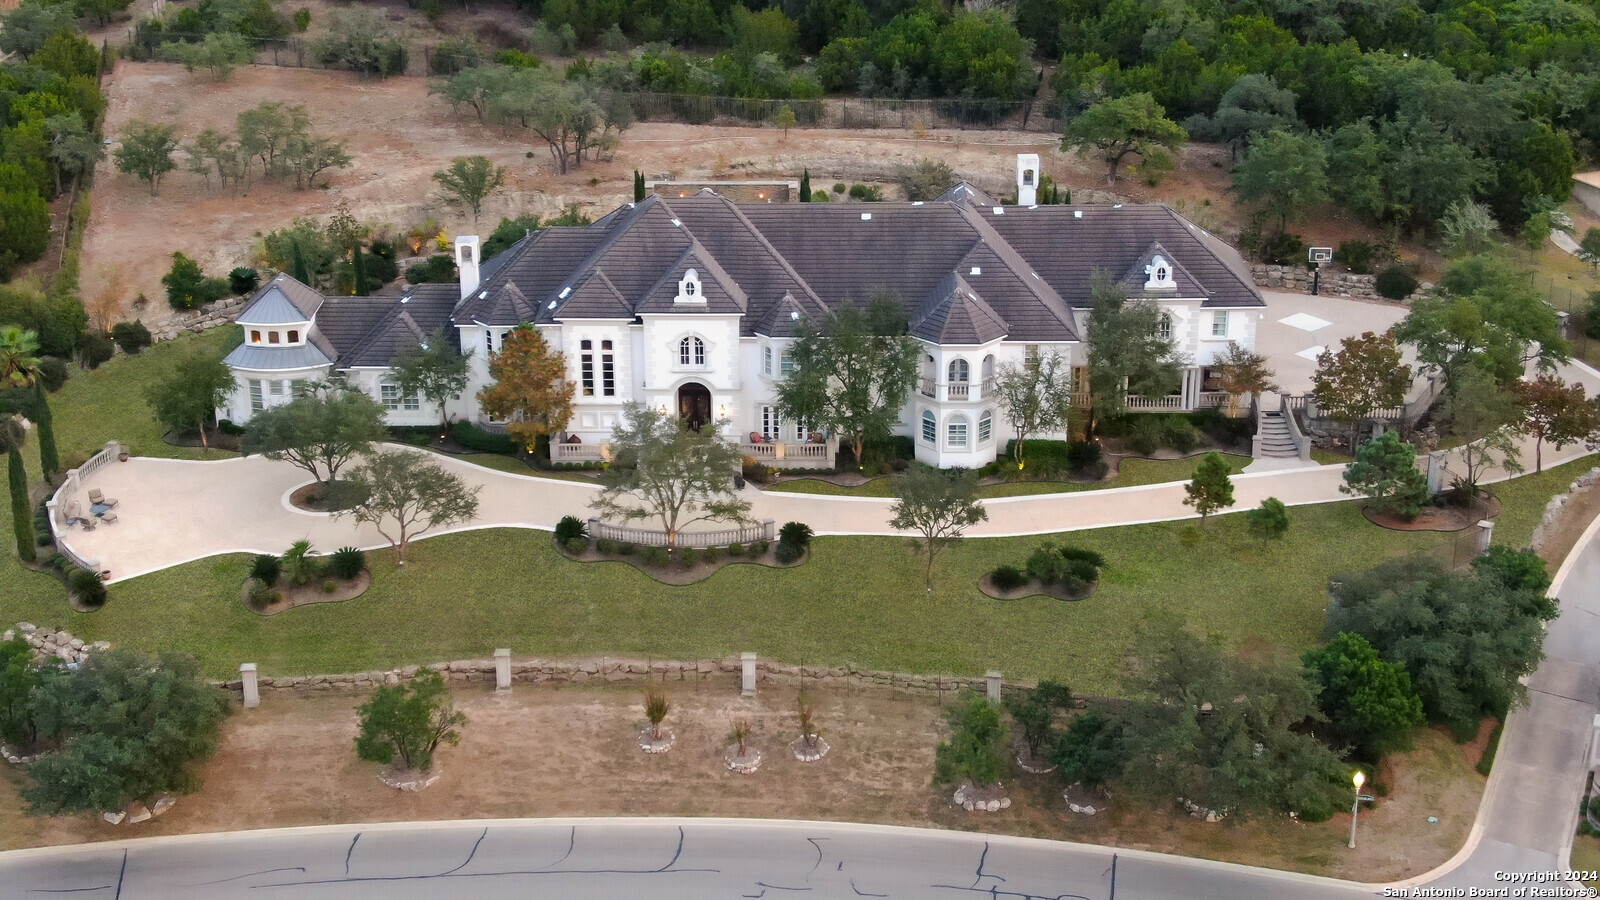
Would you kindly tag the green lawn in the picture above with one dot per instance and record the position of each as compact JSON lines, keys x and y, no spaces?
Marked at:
{"x":1133,"y":472}
{"x":859,"y":600}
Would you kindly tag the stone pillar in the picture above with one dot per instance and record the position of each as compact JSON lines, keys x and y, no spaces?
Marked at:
{"x":1435,"y":471}
{"x":992,"y":682}
{"x":1485,"y":535}
{"x":748,"y":689}
{"x":502,"y":670}
{"x":252,"y":693}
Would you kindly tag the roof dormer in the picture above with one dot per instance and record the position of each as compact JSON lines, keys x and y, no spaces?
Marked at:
{"x":1160,"y":277}
{"x":690,"y":289}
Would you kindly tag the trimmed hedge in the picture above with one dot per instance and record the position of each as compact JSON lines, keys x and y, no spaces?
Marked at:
{"x":472,"y":437}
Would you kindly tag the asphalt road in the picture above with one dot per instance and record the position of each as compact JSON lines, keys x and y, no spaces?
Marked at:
{"x":661,"y":859}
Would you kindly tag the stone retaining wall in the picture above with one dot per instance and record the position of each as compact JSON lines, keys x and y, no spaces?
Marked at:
{"x":1334,"y":284}
{"x":222,"y":312}
{"x":1553,"y":509}
{"x":557,"y":672}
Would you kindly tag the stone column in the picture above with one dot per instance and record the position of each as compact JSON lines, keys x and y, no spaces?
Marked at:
{"x":1485,"y":535}
{"x":992,"y":682}
{"x":252,"y":694}
{"x":502,"y":670}
{"x":1435,"y":471}
{"x":749,"y":686}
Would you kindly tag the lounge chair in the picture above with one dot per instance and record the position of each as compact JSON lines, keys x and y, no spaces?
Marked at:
{"x":98,"y":499}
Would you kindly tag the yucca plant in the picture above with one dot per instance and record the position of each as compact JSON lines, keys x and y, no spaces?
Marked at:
{"x":299,"y":566}
{"x":808,"y":728}
{"x":741,"y":732}
{"x":656,"y":707}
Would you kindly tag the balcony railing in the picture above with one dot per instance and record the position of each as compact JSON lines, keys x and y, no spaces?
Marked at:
{"x":798,"y":455}
{"x":957,"y":390}
{"x":570,"y":453}
{"x":926,"y":387}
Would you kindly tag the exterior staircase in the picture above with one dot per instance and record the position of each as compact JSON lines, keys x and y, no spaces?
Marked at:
{"x":1272,"y":438}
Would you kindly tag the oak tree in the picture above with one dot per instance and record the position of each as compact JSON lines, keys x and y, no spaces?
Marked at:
{"x":408,"y":722}
{"x":938,"y":504}
{"x":663,"y":471}
{"x":530,"y":391}
{"x":405,"y":495}
{"x":1117,"y":127}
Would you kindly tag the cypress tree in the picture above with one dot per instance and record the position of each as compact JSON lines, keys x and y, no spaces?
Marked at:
{"x":359,"y":264}
{"x":297,"y":266}
{"x":638,"y":185}
{"x":805,"y":186}
{"x":12,"y":435}
{"x":49,"y":460}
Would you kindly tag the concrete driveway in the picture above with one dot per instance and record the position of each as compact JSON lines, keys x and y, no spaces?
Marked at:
{"x":1295,"y":328}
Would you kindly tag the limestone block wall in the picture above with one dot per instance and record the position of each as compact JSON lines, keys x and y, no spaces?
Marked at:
{"x":1334,"y":284}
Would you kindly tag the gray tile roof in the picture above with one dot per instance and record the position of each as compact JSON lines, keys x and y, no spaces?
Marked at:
{"x":963,"y":192}
{"x":271,"y":307}
{"x":961,"y":272}
{"x":1138,"y":274}
{"x":305,"y":356}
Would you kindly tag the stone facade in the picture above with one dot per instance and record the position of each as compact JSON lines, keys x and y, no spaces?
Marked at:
{"x":1334,"y":284}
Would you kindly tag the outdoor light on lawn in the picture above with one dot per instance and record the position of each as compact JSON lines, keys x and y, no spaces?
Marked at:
{"x":1355,"y":808}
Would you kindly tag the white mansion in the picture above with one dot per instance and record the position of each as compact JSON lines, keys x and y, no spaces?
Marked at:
{"x":690,"y":304}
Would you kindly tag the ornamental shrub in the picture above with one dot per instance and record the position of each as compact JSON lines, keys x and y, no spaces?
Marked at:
{"x":577,"y":545}
{"x":570,"y":527}
{"x":1177,"y":433}
{"x":1089,"y":556}
{"x":89,"y":588}
{"x":131,"y":336}
{"x":685,"y":558}
{"x":94,"y":348}
{"x":710,"y":554}
{"x":1146,"y":436}
{"x":1082,"y":455}
{"x":735,"y":549}
{"x":606,"y":546}
{"x":1008,"y":578}
{"x":1396,"y":282}
{"x":346,"y":563}
{"x":788,"y":553}
{"x":759,"y":548}
{"x":796,"y":533}
{"x":625,"y":548}
{"x":330,"y":586}
{"x":1356,"y":256}
{"x":266,"y":568}
{"x":244,"y":280}
{"x":472,"y":437}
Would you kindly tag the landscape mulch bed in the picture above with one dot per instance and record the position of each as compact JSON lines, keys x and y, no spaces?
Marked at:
{"x":309,"y":498}
{"x":673,"y":574}
{"x":1032,"y":589}
{"x":1438,"y":518}
{"x":215,"y":439}
{"x":308,"y":594}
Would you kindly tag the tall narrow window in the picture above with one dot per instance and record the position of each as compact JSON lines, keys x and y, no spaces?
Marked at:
{"x":956,"y":432}
{"x":488,"y":342}
{"x":586,"y":366}
{"x":985,"y":426}
{"x":1219,"y":324}
{"x":608,"y":370}
{"x":958,"y":370}
{"x":692,"y":352}
{"x":257,"y":402}
{"x":930,"y":427}
{"x":389,"y":394}
{"x":785,"y":364}
{"x":1164,"y":326}
{"x":294,"y":337}
{"x":255,"y":336}
{"x":766,"y":360}
{"x":770,"y":423}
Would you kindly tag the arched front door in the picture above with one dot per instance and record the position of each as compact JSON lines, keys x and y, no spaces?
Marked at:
{"x":694,"y":405}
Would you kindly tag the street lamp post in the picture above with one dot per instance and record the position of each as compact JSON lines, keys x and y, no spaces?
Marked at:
{"x":1355,"y":808}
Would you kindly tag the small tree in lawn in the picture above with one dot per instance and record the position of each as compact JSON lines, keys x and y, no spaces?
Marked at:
{"x":656,"y":707}
{"x":740,"y":734}
{"x":1035,"y":712}
{"x":785,"y":119}
{"x":1240,"y":372}
{"x":530,"y":389}
{"x":404,"y":496}
{"x":939,"y":505}
{"x":435,"y":369}
{"x":1484,"y":417}
{"x":1555,"y":411}
{"x":145,"y":152}
{"x":976,"y":750}
{"x":187,"y":397}
{"x":1364,"y":375}
{"x":12,"y":437}
{"x":1117,"y":127}
{"x":406,"y":723}
{"x":1385,"y":471}
{"x":663,"y":471}
{"x":1035,"y":395}
{"x":321,"y":430}
{"x":469,"y":181}
{"x":1369,"y":700}
{"x":1211,"y":489}
{"x":1269,"y":521}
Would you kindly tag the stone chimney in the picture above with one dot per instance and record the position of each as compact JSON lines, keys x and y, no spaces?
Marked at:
{"x":467,"y":262}
{"x":1027,"y":179}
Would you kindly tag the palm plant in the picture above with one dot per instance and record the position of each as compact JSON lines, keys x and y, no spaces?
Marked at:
{"x":19,"y":367}
{"x":299,"y":566}
{"x":12,"y":436}
{"x":741,"y":732}
{"x":656,"y":706}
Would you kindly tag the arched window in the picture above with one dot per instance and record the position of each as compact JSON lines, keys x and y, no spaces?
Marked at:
{"x":958,"y":370}
{"x":930,"y":427}
{"x":692,"y":352}
{"x":956,"y":431}
{"x":1164,"y":326}
{"x":988,"y":367}
{"x":255,"y":336}
{"x":985,"y":426}
{"x":689,"y":288}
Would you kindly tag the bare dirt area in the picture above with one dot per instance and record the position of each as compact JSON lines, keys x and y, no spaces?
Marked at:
{"x":573,"y":751}
{"x":398,"y":136}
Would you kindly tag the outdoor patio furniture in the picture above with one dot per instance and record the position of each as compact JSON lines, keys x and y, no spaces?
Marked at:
{"x":96,"y":498}
{"x":108,"y":517}
{"x":99,"y":510}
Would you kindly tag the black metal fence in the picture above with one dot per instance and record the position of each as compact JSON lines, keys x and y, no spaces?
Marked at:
{"x":831,"y":112}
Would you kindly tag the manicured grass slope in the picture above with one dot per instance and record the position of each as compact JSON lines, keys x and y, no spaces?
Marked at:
{"x":859,"y":600}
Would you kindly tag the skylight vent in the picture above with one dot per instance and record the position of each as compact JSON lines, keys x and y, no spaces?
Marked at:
{"x":676,"y":223}
{"x":405,"y":299}
{"x":866,"y":217}
{"x":1033,"y":206}
{"x":976,"y":270}
{"x":483,"y":294}
{"x":999,"y":210}
{"x":564,"y":292}
{"x":1116,"y":206}
{"x":1077,"y":214}
{"x":552,"y":305}
{"x":916,"y":203}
